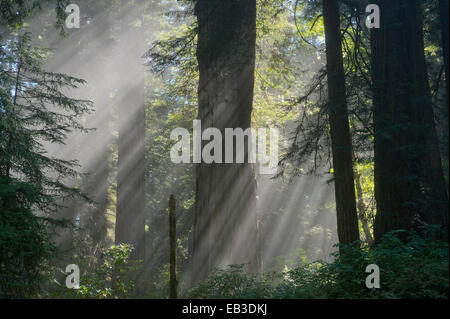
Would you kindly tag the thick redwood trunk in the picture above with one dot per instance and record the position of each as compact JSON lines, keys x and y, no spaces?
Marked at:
{"x":226,"y":216}
{"x":347,"y":217}
{"x":409,"y":184}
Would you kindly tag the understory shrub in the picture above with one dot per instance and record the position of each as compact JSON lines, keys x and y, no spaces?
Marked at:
{"x":415,"y":268}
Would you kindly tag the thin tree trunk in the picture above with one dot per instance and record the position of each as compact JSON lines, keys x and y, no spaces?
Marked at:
{"x":347,"y":217}
{"x":12,"y":112}
{"x":443,"y":12}
{"x":173,"y":249}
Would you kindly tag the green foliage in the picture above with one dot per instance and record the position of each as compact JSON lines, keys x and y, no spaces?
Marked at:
{"x":24,"y":244}
{"x":415,"y":269}
{"x":232,"y":282}
{"x":292,"y":260}
{"x":33,"y":184}
{"x":110,"y":280}
{"x":13,"y":12}
{"x":35,"y":111}
{"x":113,"y":278}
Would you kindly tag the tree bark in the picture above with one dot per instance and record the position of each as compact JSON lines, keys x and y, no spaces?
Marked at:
{"x":173,"y":249}
{"x":130,"y":214}
{"x":226,"y":221}
{"x":443,"y":12}
{"x":409,"y":184}
{"x":347,"y":217}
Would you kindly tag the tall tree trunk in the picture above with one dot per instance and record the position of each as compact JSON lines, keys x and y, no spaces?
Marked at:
{"x":443,"y":12}
{"x":130,"y":217}
{"x":96,"y":184}
{"x":347,"y":217}
{"x":97,"y":159}
{"x":409,"y":184}
{"x":444,"y":16}
{"x":173,"y":249}
{"x":226,"y":221}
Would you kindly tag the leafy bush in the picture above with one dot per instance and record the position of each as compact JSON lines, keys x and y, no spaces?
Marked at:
{"x":234,"y":283}
{"x":112,"y":279}
{"x":415,"y":269}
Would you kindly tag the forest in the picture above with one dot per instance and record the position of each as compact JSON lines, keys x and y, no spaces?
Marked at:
{"x":224,"y":149}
